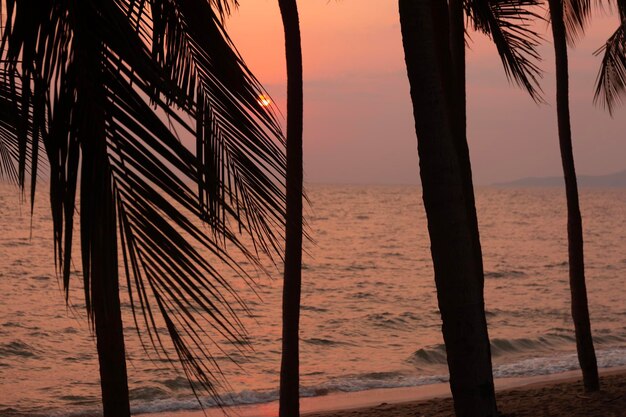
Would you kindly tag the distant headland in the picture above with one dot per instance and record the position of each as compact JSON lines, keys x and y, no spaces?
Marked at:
{"x":617,"y":179}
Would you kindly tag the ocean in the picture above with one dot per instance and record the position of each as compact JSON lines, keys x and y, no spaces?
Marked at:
{"x":369,"y":312}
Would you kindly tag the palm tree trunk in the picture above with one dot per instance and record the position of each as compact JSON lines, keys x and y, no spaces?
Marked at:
{"x":98,"y":224}
{"x":457,"y":51}
{"x":580,"y":309}
{"x":106,"y":302}
{"x":100,"y":264}
{"x":459,"y":113}
{"x":290,"y":364}
{"x":449,"y":203}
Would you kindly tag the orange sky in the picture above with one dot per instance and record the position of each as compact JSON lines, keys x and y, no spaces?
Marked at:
{"x":358,"y":118}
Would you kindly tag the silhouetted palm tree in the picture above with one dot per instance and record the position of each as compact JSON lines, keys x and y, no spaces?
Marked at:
{"x":106,"y":85}
{"x":434,"y":45}
{"x":290,"y":360}
{"x":568,"y":18}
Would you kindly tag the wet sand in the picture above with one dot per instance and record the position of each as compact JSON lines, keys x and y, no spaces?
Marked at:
{"x":559,"y":395}
{"x":541,"y":399}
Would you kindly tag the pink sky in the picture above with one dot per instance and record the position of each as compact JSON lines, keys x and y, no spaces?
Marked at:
{"x":358,"y":116}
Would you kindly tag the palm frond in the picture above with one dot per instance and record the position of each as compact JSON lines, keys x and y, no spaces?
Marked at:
{"x":20,"y":133}
{"x":182,"y":43}
{"x":576,"y":15}
{"x":224,"y":7}
{"x":122,"y":79}
{"x":10,"y":150}
{"x":509,"y":24}
{"x":611,"y":79}
{"x":621,"y":9}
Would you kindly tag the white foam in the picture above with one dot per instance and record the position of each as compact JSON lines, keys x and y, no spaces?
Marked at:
{"x":608,"y":358}
{"x":554,"y":364}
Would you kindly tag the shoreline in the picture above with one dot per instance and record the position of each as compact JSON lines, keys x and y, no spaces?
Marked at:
{"x":435,"y":399}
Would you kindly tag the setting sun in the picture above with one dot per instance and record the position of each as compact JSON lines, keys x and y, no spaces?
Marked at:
{"x":264,"y":100}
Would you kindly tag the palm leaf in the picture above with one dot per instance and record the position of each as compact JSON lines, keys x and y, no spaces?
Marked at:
{"x":19,"y":133}
{"x":182,"y":44}
{"x":621,"y":8}
{"x":611,"y":80}
{"x":576,"y":15}
{"x":121,"y":78}
{"x":509,"y":24}
{"x":10,"y":150}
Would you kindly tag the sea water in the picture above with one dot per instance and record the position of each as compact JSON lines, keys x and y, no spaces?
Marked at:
{"x":369,"y":310}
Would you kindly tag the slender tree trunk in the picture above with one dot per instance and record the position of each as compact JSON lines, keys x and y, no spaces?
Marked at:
{"x":580,"y":309}
{"x":290,"y":363}
{"x":457,"y":53}
{"x":459,"y":113}
{"x":100,"y":263}
{"x":98,"y":220}
{"x":449,"y":202}
{"x":106,"y":301}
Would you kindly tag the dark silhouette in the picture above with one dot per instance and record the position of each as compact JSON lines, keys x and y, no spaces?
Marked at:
{"x":458,"y":274}
{"x":94,"y":86}
{"x":611,"y":82}
{"x":578,"y":11}
{"x":11,"y":150}
{"x":290,"y":361}
{"x":434,"y":47}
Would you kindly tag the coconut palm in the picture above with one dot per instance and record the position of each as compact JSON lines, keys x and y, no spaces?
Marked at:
{"x":611,"y":85}
{"x":289,"y":404}
{"x":568,"y":18}
{"x":434,"y":46}
{"x":107,"y":87}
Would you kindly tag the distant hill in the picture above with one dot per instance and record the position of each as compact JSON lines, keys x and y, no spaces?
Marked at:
{"x":617,"y":179}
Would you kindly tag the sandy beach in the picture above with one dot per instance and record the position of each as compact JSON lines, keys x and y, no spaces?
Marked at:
{"x":559,"y":395}
{"x":542,"y":399}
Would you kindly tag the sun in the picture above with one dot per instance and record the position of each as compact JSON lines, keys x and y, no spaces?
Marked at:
{"x":264,"y":101}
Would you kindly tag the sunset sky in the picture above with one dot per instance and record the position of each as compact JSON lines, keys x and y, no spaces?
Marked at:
{"x":358,"y":116}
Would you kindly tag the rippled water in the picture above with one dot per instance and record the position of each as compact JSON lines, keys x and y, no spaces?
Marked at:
{"x":369,"y":314}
